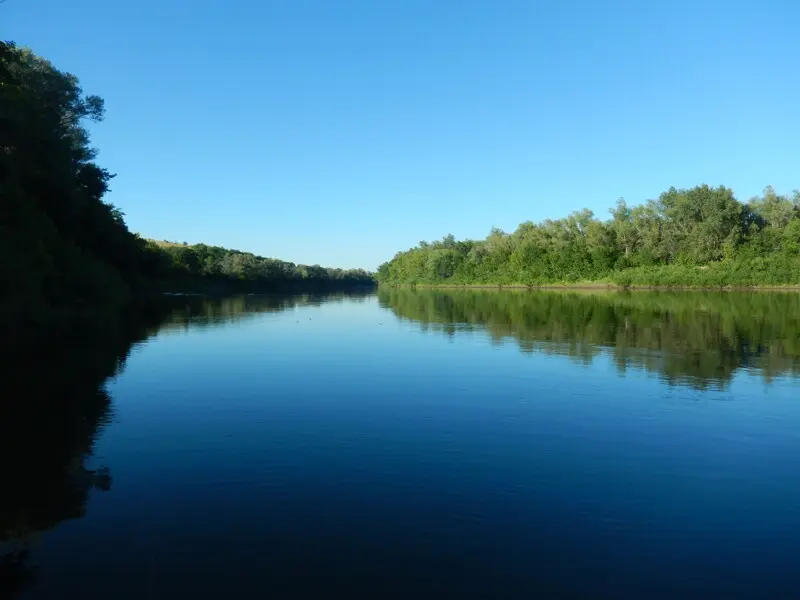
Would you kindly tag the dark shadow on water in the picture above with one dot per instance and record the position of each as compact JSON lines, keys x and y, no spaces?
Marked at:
{"x":54,"y":406}
{"x":696,"y":339}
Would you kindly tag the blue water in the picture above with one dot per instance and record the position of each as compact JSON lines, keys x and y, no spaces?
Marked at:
{"x":338,"y":448}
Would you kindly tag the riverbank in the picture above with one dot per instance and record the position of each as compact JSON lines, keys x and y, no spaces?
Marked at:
{"x":597,"y":286}
{"x":779,"y":273}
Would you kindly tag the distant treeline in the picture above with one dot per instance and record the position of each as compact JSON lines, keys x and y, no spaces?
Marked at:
{"x":700,"y":339}
{"x":215,"y":262}
{"x":687,"y":237}
{"x":67,"y":253}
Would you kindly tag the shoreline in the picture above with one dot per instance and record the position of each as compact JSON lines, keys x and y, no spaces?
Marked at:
{"x":599,"y":286}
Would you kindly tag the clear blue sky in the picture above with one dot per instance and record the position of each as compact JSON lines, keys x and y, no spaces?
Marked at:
{"x":338,"y":131}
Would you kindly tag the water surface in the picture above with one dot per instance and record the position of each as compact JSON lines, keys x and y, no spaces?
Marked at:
{"x":412,"y":444}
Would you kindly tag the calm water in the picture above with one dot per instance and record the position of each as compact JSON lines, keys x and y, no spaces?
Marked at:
{"x":411,"y":444}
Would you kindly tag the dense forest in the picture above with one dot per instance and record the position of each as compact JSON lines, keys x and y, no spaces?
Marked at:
{"x":701,"y":236}
{"x":700,"y":339}
{"x":201,"y":263}
{"x":68,"y":254}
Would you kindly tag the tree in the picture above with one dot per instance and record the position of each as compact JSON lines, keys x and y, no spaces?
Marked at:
{"x":673,"y":240}
{"x":626,"y":235}
{"x":73,"y":252}
{"x":773,"y":210}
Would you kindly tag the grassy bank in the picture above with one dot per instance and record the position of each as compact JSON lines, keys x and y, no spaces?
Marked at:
{"x":775,"y":272}
{"x":592,"y":286}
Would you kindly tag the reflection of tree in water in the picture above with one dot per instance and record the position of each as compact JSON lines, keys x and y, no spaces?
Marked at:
{"x":53,"y":406}
{"x":16,"y":572}
{"x":209,"y":311}
{"x":696,"y":338}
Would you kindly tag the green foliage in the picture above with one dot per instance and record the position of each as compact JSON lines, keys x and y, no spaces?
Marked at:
{"x":697,"y":237}
{"x":205,"y":261}
{"x":67,"y":254}
{"x":700,"y":338}
{"x":66,"y":251}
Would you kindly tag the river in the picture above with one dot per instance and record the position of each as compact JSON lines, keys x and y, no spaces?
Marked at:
{"x":412,"y":444}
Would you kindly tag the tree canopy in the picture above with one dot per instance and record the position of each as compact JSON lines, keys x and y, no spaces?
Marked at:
{"x":64,"y":247}
{"x":698,"y":236}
